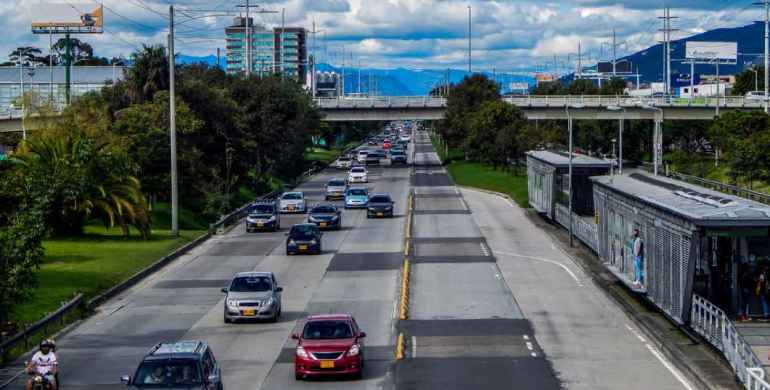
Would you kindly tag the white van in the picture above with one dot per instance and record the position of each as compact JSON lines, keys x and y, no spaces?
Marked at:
{"x":361,"y":157}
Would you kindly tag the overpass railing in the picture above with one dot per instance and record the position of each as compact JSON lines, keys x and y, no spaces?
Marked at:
{"x":538,"y":101}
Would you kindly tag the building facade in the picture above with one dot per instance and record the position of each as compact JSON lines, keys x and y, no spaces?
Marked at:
{"x":278,"y":50}
{"x":49,"y":84}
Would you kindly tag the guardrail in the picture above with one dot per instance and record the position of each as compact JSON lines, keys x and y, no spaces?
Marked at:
{"x":538,"y":101}
{"x":40,"y":329}
{"x":715,"y":326}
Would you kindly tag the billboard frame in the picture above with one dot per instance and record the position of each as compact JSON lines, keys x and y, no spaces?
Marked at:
{"x":710,"y":60}
{"x":97,"y":16}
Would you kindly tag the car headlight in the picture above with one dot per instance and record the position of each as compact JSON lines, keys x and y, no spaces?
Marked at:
{"x":354,"y":350}
{"x":301,"y":352}
{"x":313,"y":242}
{"x":232,"y":302}
{"x":268,"y":302}
{"x":272,"y":218}
{"x":336,"y":217}
{"x":311,"y":219}
{"x":292,"y":242}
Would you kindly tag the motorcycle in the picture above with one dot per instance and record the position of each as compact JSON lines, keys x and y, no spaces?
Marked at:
{"x":39,"y":382}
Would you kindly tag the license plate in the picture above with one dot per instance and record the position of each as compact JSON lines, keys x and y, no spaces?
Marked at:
{"x":303,"y":247}
{"x":327,"y":363}
{"x":291,"y":208}
{"x":260,"y":224}
{"x":248,"y":312}
{"x":380,"y":214}
{"x":323,"y":224}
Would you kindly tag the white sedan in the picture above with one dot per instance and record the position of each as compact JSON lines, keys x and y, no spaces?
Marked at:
{"x":358,"y":175}
{"x":293,"y":202}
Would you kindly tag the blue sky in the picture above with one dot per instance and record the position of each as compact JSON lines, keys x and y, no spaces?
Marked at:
{"x":508,"y":35}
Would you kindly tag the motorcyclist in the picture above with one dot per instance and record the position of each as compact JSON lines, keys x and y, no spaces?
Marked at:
{"x":45,"y":364}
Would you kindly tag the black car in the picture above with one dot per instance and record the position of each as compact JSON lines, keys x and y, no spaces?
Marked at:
{"x":326,"y":216}
{"x":177,"y":365}
{"x":304,"y":238}
{"x":373,"y":158}
{"x":380,"y":205}
{"x":263,"y":216}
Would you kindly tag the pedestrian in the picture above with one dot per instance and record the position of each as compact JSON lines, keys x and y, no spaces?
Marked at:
{"x":638,"y":251}
{"x":760,"y":290}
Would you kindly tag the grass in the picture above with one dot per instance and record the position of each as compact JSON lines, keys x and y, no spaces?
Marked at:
{"x":482,"y":176}
{"x":453,"y":155}
{"x":320,"y":154}
{"x":97,"y":260}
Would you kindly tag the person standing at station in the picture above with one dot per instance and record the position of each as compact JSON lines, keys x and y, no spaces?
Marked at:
{"x":638,"y":251}
{"x":761,"y":291}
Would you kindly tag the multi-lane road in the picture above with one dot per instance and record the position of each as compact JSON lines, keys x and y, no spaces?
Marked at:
{"x":494,"y":304}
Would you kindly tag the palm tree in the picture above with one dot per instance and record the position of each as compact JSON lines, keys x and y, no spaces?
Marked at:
{"x":149,"y":73}
{"x":84,"y":177}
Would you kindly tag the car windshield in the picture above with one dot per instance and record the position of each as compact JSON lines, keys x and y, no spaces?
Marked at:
{"x":327,"y":330}
{"x":251,"y":284}
{"x":363,"y":152}
{"x":357,"y":192}
{"x":337,"y":183}
{"x":379,"y":199}
{"x":358,"y":170}
{"x":292,"y":196}
{"x":344,"y":158}
{"x":167,"y":373}
{"x":326,"y":209}
{"x":261,"y":209}
{"x":301,"y":230}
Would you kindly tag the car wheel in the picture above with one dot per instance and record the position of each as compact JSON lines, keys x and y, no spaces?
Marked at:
{"x":288,"y":253}
{"x":297,"y":376}
{"x":227,"y":320}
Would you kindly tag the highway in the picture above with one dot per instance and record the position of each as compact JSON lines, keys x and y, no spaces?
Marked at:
{"x":493,"y":303}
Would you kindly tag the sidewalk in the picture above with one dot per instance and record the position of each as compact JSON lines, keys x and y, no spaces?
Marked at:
{"x":702,"y":365}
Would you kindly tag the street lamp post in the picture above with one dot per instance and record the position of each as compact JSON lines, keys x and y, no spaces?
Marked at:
{"x":657,"y":138}
{"x":571,"y":154}
{"x":620,"y":135}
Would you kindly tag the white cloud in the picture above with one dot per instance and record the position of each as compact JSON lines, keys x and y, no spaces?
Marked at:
{"x":392,"y":33}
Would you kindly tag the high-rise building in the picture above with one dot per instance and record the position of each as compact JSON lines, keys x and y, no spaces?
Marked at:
{"x":272,"y":51}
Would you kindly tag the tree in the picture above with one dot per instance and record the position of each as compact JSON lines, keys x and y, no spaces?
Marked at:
{"x":495,"y":132}
{"x":751,"y":79}
{"x":25,"y":54}
{"x":744,"y":139}
{"x":549,"y":88}
{"x":614,"y":86}
{"x":81,"y":50}
{"x":583,"y":87}
{"x":85,"y":177}
{"x":464,"y":100}
{"x":149,"y":74}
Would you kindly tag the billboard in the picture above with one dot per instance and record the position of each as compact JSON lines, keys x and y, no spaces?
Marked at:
{"x":76,"y":18}
{"x":710,"y":51}
{"x":621,"y":66}
{"x":544,"y":78}
{"x":518,"y":86}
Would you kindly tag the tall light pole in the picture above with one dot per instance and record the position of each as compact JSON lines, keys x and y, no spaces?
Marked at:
{"x":469,"y":39}
{"x":571,"y":153}
{"x":657,"y":138}
{"x":172,"y":125}
{"x":620,"y":135}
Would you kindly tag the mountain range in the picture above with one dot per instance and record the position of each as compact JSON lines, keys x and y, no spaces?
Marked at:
{"x":648,"y":62}
{"x":390,"y":82}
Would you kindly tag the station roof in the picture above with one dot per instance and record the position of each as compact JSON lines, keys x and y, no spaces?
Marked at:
{"x":700,"y":205}
{"x":561,"y":159}
{"x":42,"y":74}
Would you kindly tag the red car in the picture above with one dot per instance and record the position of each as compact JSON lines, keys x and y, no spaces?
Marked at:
{"x":386,"y":144}
{"x":329,"y":344}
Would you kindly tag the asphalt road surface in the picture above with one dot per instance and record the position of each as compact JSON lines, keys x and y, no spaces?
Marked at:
{"x":493,"y":303}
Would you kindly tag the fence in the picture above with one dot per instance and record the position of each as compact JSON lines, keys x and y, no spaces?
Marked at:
{"x":41,"y":328}
{"x":586,"y":231}
{"x":715,"y":326}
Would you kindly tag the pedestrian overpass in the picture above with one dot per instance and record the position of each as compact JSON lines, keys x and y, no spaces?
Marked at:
{"x":389,"y":108}
{"x":386,"y":108}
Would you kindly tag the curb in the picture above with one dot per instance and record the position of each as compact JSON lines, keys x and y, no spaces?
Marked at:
{"x":672,"y":354}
